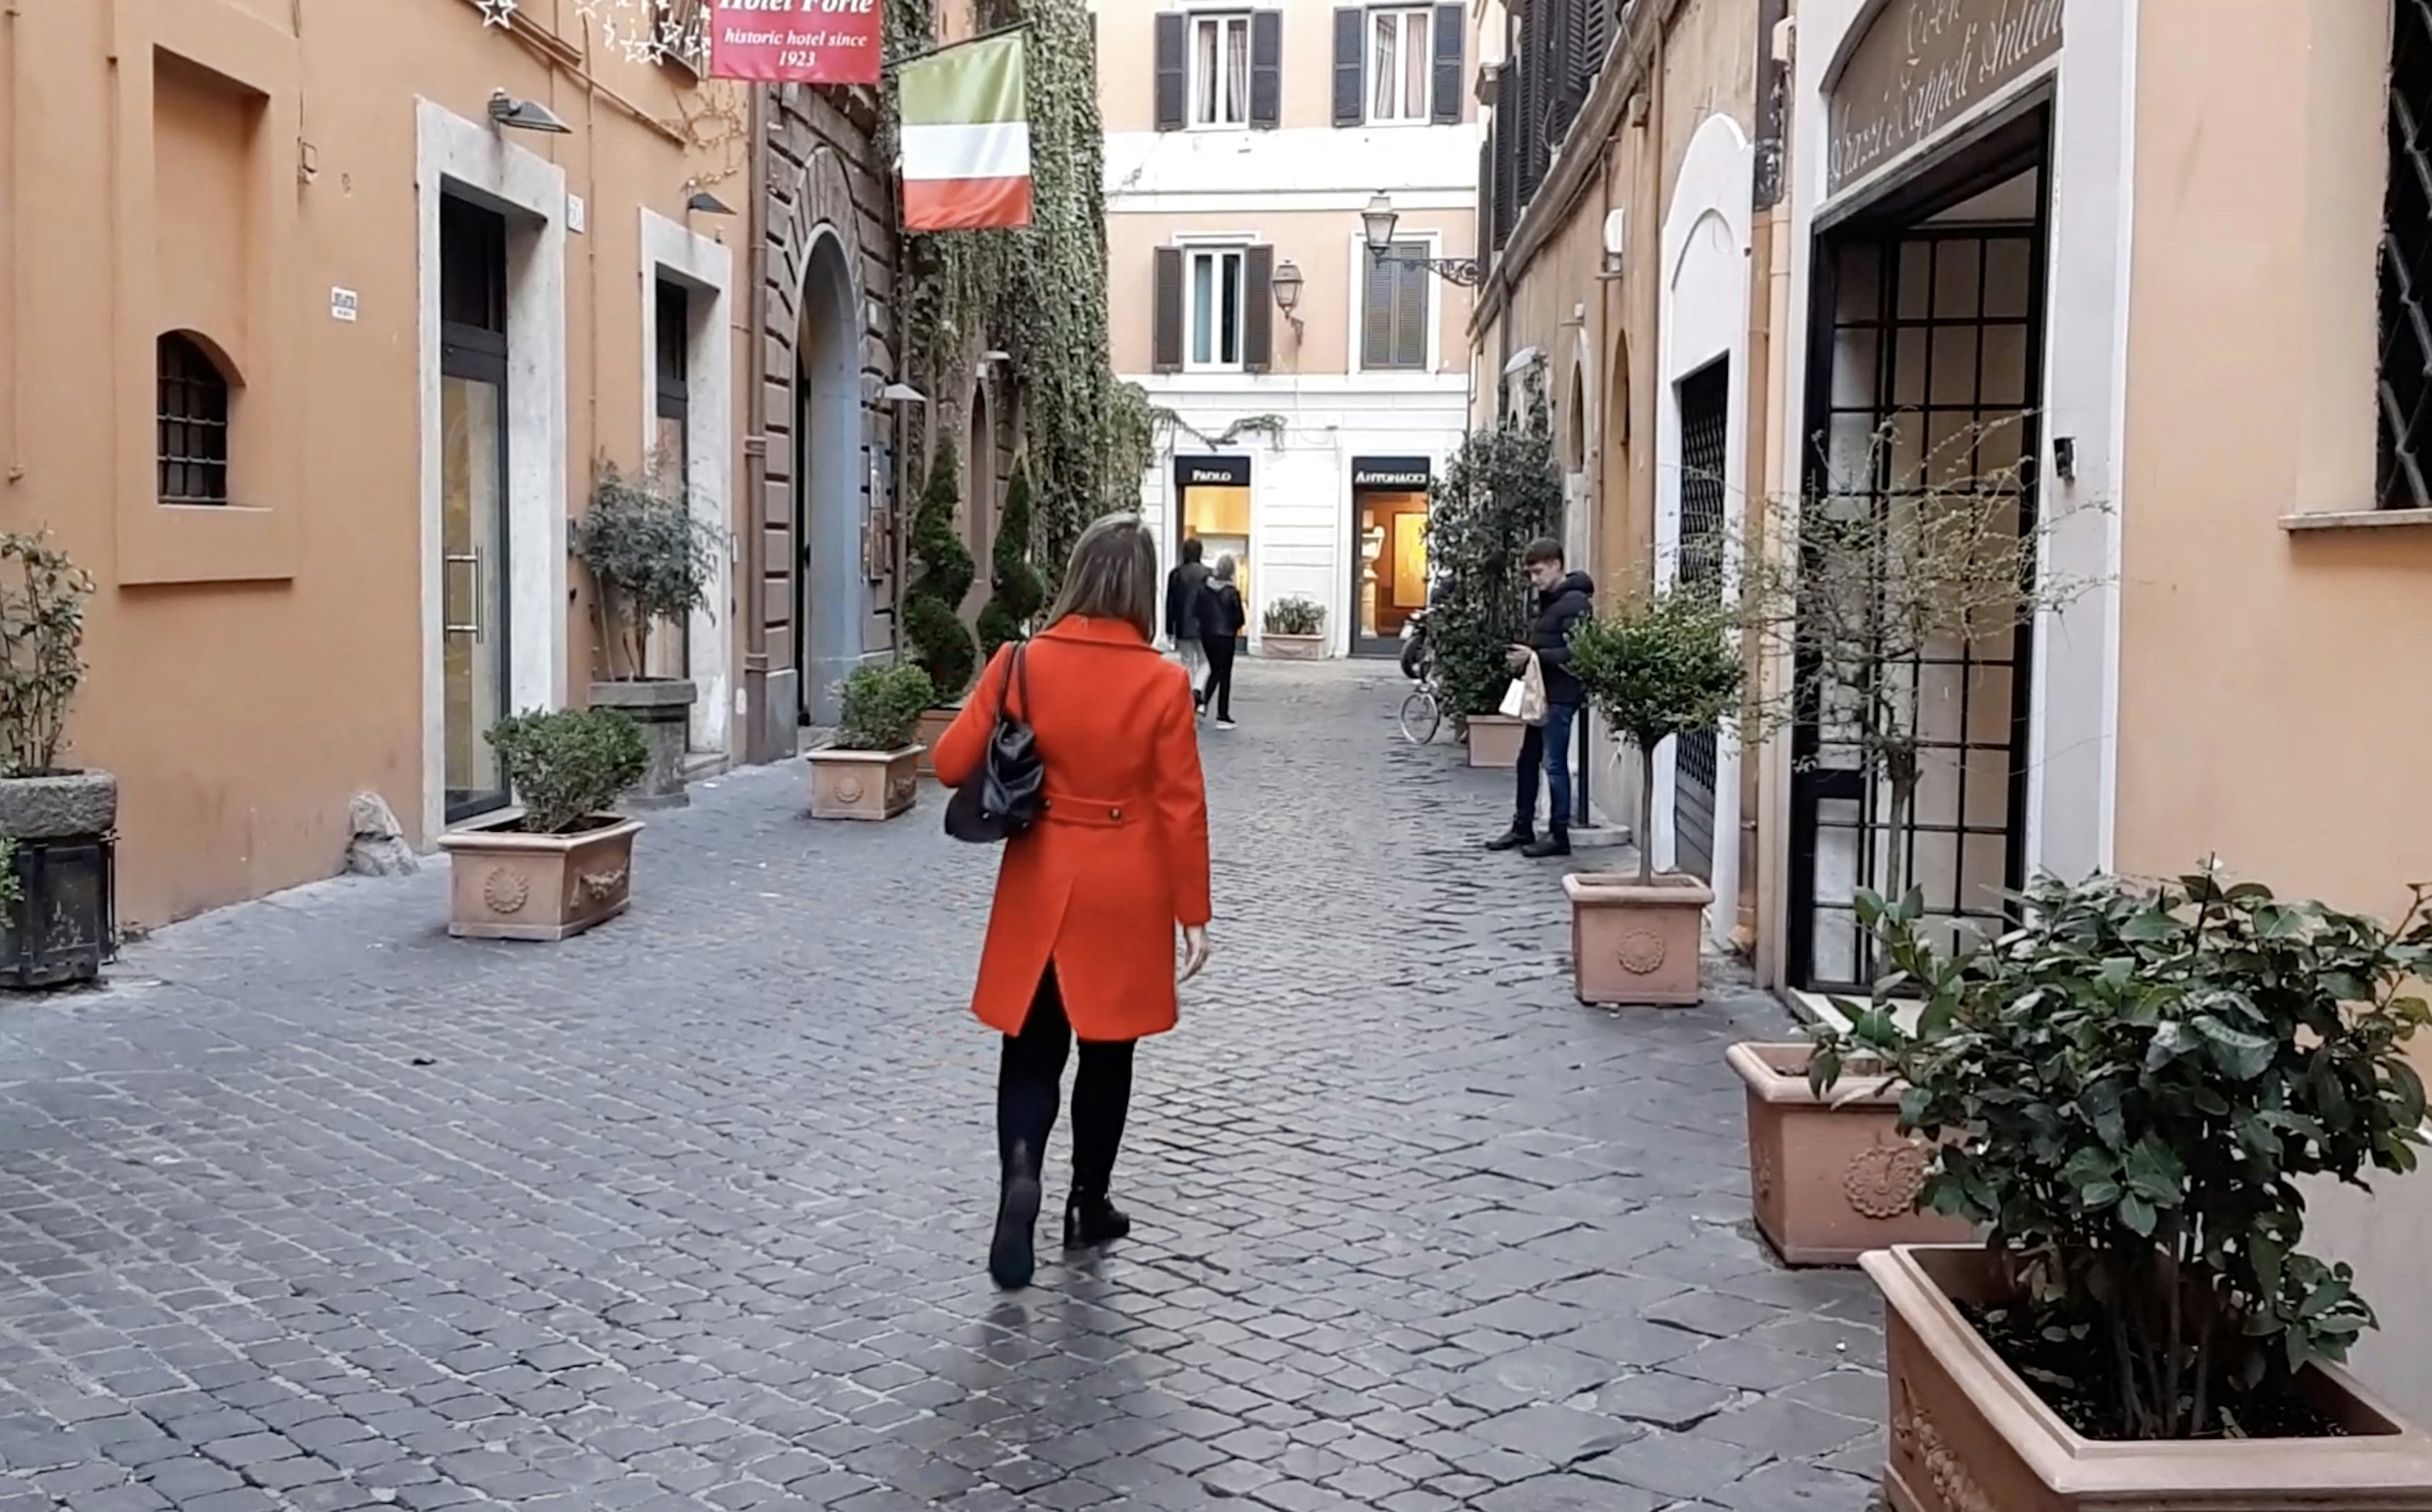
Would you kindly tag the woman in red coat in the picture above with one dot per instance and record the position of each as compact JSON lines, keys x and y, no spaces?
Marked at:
{"x":1081,"y":940}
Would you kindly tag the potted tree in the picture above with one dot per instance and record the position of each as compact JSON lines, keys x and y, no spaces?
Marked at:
{"x":1500,"y":491}
{"x":57,"y":841}
{"x":651,"y":563}
{"x":871,"y":771}
{"x":1294,"y":629}
{"x":933,"y":603}
{"x":2129,"y":1090}
{"x":1015,"y":592}
{"x":565,"y":861}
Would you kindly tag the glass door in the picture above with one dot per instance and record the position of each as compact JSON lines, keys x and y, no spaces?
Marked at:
{"x":670,"y":461}
{"x":472,"y":503}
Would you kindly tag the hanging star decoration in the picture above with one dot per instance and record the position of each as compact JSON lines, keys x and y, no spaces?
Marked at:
{"x":495,"y":12}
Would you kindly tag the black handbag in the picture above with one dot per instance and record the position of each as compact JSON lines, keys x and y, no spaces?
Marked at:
{"x":1003,"y":799}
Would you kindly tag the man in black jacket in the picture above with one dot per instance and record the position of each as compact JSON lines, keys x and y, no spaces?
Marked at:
{"x":1563,"y":599}
{"x":1186,"y":612}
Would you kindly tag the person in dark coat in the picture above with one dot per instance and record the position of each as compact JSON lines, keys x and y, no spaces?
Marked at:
{"x":1186,"y":608}
{"x":1563,"y":599}
{"x":1220,"y":637}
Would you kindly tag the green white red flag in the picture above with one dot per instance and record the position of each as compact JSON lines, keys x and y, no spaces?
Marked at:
{"x":967,"y":136}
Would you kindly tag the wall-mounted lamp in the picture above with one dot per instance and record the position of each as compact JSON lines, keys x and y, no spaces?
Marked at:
{"x":903,"y":394}
{"x":524,"y":115}
{"x":1616,"y":244}
{"x":1376,"y":224}
{"x":1287,"y":284}
{"x":706,"y":203}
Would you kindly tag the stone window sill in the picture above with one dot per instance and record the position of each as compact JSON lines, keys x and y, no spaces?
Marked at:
{"x":2356,"y":520}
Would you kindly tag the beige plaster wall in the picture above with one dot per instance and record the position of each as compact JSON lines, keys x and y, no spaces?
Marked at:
{"x":1127,"y":63}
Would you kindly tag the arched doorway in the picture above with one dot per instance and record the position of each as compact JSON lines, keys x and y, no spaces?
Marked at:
{"x":979,"y":493}
{"x":828,"y":482}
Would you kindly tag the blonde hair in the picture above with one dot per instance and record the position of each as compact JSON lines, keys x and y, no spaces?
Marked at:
{"x":1112,"y":576}
{"x":1224,"y":568}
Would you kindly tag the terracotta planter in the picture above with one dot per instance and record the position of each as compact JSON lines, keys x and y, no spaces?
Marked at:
{"x":932,"y":729}
{"x":1832,"y":1177}
{"x":510,"y":885}
{"x":1635,"y":943}
{"x":1494,"y":741}
{"x":1284,"y":647}
{"x":864,"y":784}
{"x":1969,"y":1435}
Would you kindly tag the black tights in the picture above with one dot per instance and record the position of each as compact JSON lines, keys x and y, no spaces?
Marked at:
{"x":1029,"y":1081}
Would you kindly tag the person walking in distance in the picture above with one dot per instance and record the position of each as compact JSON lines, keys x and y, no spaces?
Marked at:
{"x":1081,"y":940}
{"x":1220,"y":637}
{"x":1563,"y":599}
{"x":1185,"y":605}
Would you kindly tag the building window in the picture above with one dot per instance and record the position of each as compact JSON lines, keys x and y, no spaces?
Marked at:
{"x":1393,"y":317}
{"x":1398,"y":66}
{"x":683,"y":33}
{"x":2405,"y":388}
{"x":1220,"y":71}
{"x":1216,"y":308}
{"x":194,"y":414}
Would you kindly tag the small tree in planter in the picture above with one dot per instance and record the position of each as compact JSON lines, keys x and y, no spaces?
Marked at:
{"x":2128,"y":1090}
{"x":1295,"y":628}
{"x":1500,"y":491}
{"x":564,"y":862}
{"x":652,"y":562}
{"x":872,"y":771}
{"x":57,"y":846}
{"x":933,"y":604}
{"x":1017,"y":592}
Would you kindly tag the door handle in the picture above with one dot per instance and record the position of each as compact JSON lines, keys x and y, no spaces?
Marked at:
{"x":474,"y":627}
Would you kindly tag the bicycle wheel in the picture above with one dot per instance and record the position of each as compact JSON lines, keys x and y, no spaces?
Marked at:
{"x":1422,"y":716}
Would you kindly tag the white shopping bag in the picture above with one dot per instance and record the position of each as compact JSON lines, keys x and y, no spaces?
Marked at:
{"x":1525,"y":700}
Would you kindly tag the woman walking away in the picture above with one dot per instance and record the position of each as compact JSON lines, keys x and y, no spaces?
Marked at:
{"x":1220,"y":637}
{"x":1081,"y":940}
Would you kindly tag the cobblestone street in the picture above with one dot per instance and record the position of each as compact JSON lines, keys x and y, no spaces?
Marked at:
{"x":315,"y":1208}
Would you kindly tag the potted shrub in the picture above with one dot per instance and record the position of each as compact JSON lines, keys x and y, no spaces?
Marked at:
{"x":565,"y":861}
{"x":2130,"y":1091}
{"x":1500,"y":491}
{"x":1294,"y":629}
{"x":873,"y":770}
{"x":1016,"y":593}
{"x":651,"y":563}
{"x":933,"y":604}
{"x":1656,"y":667}
{"x":57,"y":840}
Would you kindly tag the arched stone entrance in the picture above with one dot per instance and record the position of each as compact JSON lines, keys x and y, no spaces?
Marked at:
{"x":830,"y":480}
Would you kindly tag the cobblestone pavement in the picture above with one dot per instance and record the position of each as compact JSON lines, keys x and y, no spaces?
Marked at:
{"x":317,"y":1209}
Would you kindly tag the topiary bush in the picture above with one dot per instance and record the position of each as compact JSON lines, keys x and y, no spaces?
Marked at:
{"x":883,"y":706}
{"x":569,"y":765}
{"x":1019,"y":590}
{"x":933,"y":604}
{"x":1657,"y":667}
{"x":651,"y":560}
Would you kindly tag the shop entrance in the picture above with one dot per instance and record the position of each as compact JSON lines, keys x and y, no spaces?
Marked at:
{"x":1924,"y":379}
{"x":1215,"y":512}
{"x":1388,"y":557}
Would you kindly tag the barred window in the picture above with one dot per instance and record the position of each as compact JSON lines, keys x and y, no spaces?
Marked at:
{"x":193,"y":417}
{"x":2406,"y":389}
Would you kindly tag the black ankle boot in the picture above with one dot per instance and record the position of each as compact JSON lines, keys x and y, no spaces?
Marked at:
{"x":1011,"y":1260}
{"x":1513,"y":839}
{"x":1557,"y":843}
{"x":1091,"y":1221}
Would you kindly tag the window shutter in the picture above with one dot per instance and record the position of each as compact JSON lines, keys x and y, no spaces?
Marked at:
{"x":1350,"y":66}
{"x":1166,"y":346}
{"x":1448,"y":38}
{"x":1410,"y":309}
{"x":1266,"y":68}
{"x":1376,"y":311}
{"x":1484,"y":234}
{"x":1173,"y":86}
{"x":1258,"y":309}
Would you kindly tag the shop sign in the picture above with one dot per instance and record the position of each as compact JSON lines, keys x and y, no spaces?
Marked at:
{"x":1392,"y":474}
{"x":1923,"y":64}
{"x":1213,"y":472}
{"x":795,"y":42}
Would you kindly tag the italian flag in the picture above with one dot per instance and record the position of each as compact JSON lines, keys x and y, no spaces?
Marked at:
{"x":965,"y":136}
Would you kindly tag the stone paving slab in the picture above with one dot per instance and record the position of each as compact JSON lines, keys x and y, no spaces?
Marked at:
{"x":315,"y":1209}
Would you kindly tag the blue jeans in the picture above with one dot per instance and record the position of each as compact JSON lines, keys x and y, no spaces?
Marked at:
{"x":1548,"y":746}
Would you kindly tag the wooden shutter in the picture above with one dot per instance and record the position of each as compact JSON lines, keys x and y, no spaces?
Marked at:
{"x":1258,"y":309}
{"x":1485,"y":232}
{"x":1266,"y":69}
{"x":1350,"y":66}
{"x":1448,"y":40}
{"x":1377,"y":310}
{"x":1410,"y":309}
{"x":1166,"y":346}
{"x":1173,"y":80}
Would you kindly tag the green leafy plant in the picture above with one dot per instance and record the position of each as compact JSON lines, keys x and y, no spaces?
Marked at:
{"x":42,"y":596}
{"x":568,"y":766}
{"x":1658,"y":666}
{"x":650,"y":559}
{"x":1296,"y":616}
{"x":933,"y":605}
{"x":2129,"y":1088}
{"x":1500,"y":491}
{"x":883,"y":706}
{"x":1018,"y":591}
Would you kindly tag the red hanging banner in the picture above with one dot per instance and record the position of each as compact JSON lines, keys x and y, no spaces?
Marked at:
{"x":795,"y":42}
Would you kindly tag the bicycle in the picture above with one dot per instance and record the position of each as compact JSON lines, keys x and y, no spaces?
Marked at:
{"x":1423,"y":710}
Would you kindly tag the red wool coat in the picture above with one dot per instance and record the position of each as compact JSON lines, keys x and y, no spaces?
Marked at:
{"x":1119,"y":857}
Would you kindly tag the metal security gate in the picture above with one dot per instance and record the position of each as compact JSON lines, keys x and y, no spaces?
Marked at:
{"x":1705,"y":423}
{"x":1935,"y":331}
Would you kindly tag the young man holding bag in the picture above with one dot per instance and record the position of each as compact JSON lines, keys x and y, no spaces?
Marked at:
{"x":1563,"y":599}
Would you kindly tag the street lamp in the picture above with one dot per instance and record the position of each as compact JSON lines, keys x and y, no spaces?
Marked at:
{"x":1376,"y":225}
{"x":1287,"y":286}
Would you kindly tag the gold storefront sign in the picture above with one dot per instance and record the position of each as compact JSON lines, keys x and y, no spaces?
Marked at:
{"x":1923,"y":64}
